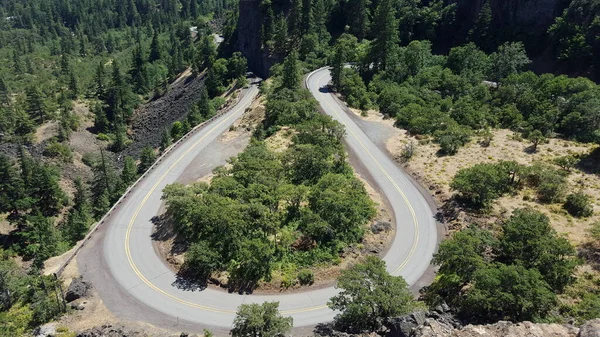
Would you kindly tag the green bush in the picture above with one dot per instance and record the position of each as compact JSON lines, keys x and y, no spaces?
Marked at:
{"x":58,"y":150}
{"x":103,"y":136}
{"x":579,"y":204}
{"x":306,"y":277}
{"x":549,"y":183}
{"x":453,"y":138}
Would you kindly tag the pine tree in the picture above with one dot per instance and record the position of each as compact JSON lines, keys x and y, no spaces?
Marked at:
{"x":104,"y":184}
{"x":281,"y":36}
{"x":307,"y":23}
{"x":120,"y":137}
{"x":319,"y":17}
{"x":67,"y":121}
{"x":208,"y":50}
{"x":204,"y":104}
{"x":338,"y":65}
{"x":291,"y":73}
{"x":73,"y":85}
{"x":99,"y":80}
{"x":480,"y":33}
{"x":194,"y":117}
{"x":358,"y":18}
{"x":44,"y":190}
{"x":16,"y":63}
{"x":147,"y":158}
{"x":4,"y":92}
{"x":129,"y":173}
{"x":139,"y":72}
{"x":35,"y":103}
{"x":384,"y":47}
{"x":295,"y":20}
{"x":155,"y":50}
{"x":80,"y":215}
{"x":194,"y":9}
{"x":268,"y":22}
{"x":165,"y":140}
{"x":11,"y":186}
{"x":65,"y":66}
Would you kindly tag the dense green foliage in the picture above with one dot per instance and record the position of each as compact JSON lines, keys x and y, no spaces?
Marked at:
{"x":369,"y":295}
{"x":514,"y":275}
{"x":26,"y":299}
{"x":260,"y":320}
{"x":274,"y":212}
{"x":479,"y":185}
{"x":444,"y":96}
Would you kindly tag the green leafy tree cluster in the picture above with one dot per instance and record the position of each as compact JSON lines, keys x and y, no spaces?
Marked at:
{"x":260,"y":320}
{"x":369,"y":296}
{"x":514,"y":275}
{"x":294,"y":208}
{"x":480,"y":184}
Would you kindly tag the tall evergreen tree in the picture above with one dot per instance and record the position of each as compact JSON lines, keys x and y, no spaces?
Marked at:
{"x":291,"y":73}
{"x":358,"y":18}
{"x":155,"y":48}
{"x":281,"y":36}
{"x":481,"y":31}
{"x":4,"y":92}
{"x":307,"y":23}
{"x":139,"y":72}
{"x":295,"y":21}
{"x":11,"y":186}
{"x":99,"y":80}
{"x":384,"y":48}
{"x":35,"y":103}
{"x":129,"y":172}
{"x":80,"y":215}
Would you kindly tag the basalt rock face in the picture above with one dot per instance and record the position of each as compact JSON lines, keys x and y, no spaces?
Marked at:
{"x":248,"y":37}
{"x":534,"y":14}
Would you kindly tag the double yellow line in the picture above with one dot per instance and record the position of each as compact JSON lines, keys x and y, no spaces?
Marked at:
{"x":217,"y":310}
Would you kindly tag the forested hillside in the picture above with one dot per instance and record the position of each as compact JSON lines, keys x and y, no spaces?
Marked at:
{"x":73,"y":75}
{"x":447,"y":72}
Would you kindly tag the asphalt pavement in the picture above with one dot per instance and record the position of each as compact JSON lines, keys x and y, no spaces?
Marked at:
{"x":138,"y":271}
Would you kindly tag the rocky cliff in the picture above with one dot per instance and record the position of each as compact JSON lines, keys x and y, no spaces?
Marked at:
{"x":531,"y":14}
{"x":249,"y":39}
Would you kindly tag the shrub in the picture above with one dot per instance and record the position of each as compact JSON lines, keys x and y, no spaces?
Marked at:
{"x":480,"y":184}
{"x":103,"y":136}
{"x":579,"y":205}
{"x":549,"y":183}
{"x":306,"y":277}
{"x":453,"y":138}
{"x":58,"y":150}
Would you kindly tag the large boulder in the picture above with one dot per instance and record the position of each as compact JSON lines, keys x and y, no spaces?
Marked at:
{"x":590,"y":329}
{"x":403,"y":326}
{"x":46,"y":330}
{"x":77,"y":289}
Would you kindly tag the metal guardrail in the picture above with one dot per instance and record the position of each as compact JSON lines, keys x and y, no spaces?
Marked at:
{"x":166,"y":152}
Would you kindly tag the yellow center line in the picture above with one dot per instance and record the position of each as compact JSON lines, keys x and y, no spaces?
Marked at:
{"x":135,"y":215}
{"x":285,"y":312}
{"x":406,"y":201}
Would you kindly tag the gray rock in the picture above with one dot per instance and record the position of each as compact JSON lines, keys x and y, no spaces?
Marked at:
{"x":404,"y":325}
{"x":77,"y":289}
{"x":110,"y":331}
{"x":46,"y":330}
{"x":590,"y":329}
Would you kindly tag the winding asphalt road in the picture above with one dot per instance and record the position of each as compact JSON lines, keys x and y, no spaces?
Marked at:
{"x":138,"y":270}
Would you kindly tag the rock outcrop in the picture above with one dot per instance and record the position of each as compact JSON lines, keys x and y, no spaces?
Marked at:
{"x":531,"y":14}
{"x":111,"y":331}
{"x":77,"y":289}
{"x":249,"y":41}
